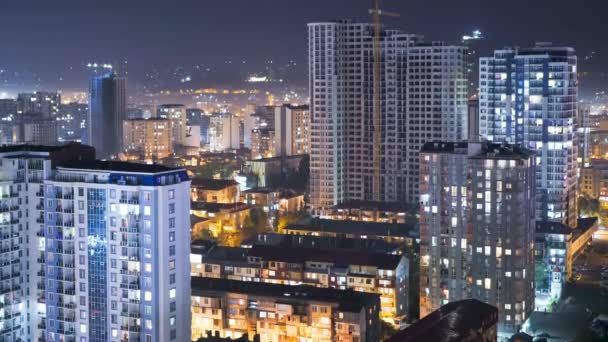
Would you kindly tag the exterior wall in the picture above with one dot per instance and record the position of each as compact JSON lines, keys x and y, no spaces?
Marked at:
{"x":151,"y":138}
{"x":117,"y":259}
{"x":502,"y":244}
{"x":445,"y":232}
{"x":176,"y":114}
{"x":228,"y":194}
{"x":529,"y":97}
{"x":107,"y":111}
{"x":277,"y":318}
{"x":342,"y":149}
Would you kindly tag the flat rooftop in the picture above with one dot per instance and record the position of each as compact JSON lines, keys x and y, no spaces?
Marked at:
{"x":408,"y":229}
{"x":117,"y":166}
{"x":347,"y":300}
{"x":30,"y":148}
{"x":213,"y":184}
{"x":293,"y":254}
{"x":444,"y":147}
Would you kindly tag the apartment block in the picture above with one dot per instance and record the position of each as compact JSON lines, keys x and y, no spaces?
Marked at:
{"x":281,"y":312}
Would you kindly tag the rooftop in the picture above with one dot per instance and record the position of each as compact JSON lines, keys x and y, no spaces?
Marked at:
{"x":347,"y":300}
{"x":118,"y":166}
{"x":223,"y":254}
{"x":444,"y":147}
{"x":326,"y":242}
{"x":213,"y":184}
{"x":408,"y":229}
{"x":460,"y":320}
{"x":30,"y":148}
{"x":294,"y":254}
{"x":503,"y":151}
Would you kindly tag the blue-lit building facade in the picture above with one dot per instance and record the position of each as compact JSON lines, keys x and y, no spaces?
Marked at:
{"x":529,"y":96}
{"x":107,"y":111}
{"x":117,"y":253}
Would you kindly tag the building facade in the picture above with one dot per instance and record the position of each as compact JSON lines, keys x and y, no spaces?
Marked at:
{"x":529,"y":97}
{"x":117,"y":253}
{"x":224,"y":132}
{"x":503,"y":225}
{"x":292,"y":130}
{"x":445,"y":230}
{"x":477,"y":228}
{"x":107,"y":111}
{"x":425,"y":98}
{"x":149,"y":139}
{"x":176,"y":114}
{"x":357,"y":270}
{"x":23,"y":171}
{"x":43,"y":103}
{"x":280,"y":312}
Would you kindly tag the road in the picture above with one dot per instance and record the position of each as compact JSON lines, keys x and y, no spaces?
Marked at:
{"x":587,"y":292}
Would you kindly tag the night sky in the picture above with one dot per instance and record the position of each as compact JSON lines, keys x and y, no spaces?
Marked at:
{"x":43,"y":39}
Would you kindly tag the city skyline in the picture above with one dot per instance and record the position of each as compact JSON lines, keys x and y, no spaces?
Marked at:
{"x":71,"y":34}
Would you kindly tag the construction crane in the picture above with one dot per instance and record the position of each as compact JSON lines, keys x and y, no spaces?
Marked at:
{"x":376,"y":12}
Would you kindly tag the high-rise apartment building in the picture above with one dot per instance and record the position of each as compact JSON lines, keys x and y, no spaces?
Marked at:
{"x":292,"y":130}
{"x":445,"y":232}
{"x":477,"y":228}
{"x":72,"y":122}
{"x":224,"y":132}
{"x":529,"y":97}
{"x":503,"y":225}
{"x":107,"y":111}
{"x":23,"y":171}
{"x":117,"y":253}
{"x":149,"y":139}
{"x":176,"y":113}
{"x":424,"y":98}
{"x":92,"y":251}
{"x":263,"y":142}
{"x":583,"y":135}
{"x":44,"y":103}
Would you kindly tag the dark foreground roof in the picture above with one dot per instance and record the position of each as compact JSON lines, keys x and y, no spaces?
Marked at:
{"x":459,"y":320}
{"x":118,"y":166}
{"x":347,"y":300}
{"x":408,"y":229}
{"x":213,"y":184}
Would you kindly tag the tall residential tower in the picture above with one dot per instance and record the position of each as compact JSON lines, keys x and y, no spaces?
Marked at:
{"x":529,"y":97}
{"x":424,"y":98}
{"x":107,"y":111}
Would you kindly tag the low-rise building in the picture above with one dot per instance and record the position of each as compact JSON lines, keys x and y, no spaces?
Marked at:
{"x":271,"y":171}
{"x":275,"y":200}
{"x":594,"y":180}
{"x":214,"y":190}
{"x":282,"y":313}
{"x":556,"y":246}
{"x":217,"y":218}
{"x":292,"y":264}
{"x":465,"y":320}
